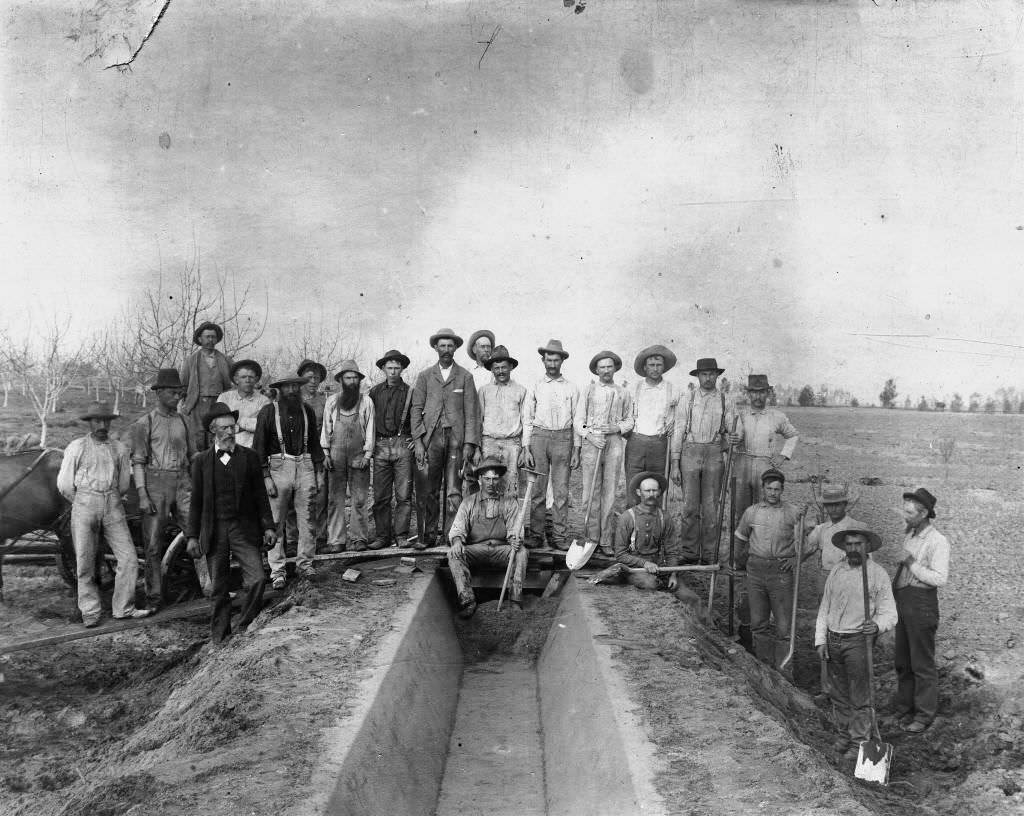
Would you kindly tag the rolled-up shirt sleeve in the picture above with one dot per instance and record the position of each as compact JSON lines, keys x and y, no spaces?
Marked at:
{"x":460,"y":526}
{"x":66,"y":476}
{"x":934,"y":568}
{"x":821,"y":624}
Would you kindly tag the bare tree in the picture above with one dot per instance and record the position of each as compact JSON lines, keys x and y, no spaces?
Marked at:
{"x":322,"y":339}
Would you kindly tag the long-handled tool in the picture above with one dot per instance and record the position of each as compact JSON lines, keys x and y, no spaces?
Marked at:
{"x":445,"y":432}
{"x":668,"y":470}
{"x":578,"y":554}
{"x":796,"y":590}
{"x":718,"y":524}
{"x":732,"y":556}
{"x":875,"y":757}
{"x":517,"y":529}
{"x":712,"y":568}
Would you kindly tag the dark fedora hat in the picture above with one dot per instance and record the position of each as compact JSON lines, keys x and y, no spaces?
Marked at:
{"x":393,"y":355}
{"x":553,"y":347}
{"x":288,"y":380}
{"x":306,"y":365}
{"x":605,"y":355}
{"x":203,"y":327}
{"x":924,"y":498}
{"x":707,"y":364}
{"x":346,"y":366}
{"x":499,"y":355}
{"x":490,"y":463}
{"x":167,"y":378}
{"x":445,"y":334}
{"x":874,"y":540}
{"x":757,"y":382}
{"x":217,"y":410}
{"x":651,"y":351}
{"x":99,"y":410}
{"x":476,"y":336}
{"x":252,"y":365}
{"x":773,"y":475}
{"x":637,"y":480}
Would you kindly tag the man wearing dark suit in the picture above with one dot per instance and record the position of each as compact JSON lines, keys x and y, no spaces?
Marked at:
{"x":229,"y":510}
{"x":445,"y":417}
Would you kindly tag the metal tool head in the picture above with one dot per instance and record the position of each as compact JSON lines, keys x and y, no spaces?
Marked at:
{"x":579,"y":554}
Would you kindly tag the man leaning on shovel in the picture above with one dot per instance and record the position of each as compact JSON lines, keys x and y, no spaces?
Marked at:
{"x":842,"y":635}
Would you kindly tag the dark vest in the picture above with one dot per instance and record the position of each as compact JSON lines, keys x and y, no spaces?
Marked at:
{"x":224,"y":490}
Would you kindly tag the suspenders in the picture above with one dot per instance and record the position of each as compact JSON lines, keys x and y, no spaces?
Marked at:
{"x":689,"y":416}
{"x":280,"y":437}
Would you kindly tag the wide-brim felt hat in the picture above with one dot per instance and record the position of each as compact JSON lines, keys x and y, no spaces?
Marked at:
{"x":393,"y":355}
{"x":925,"y":498}
{"x":445,"y":334}
{"x":345,"y":367}
{"x":757,"y":382}
{"x":319,"y":368}
{"x":288,"y":380}
{"x":834,"y":495}
{"x":707,"y":364}
{"x":490,"y":463}
{"x":99,"y":410}
{"x":217,"y":410}
{"x":500,"y":355}
{"x":553,"y":347}
{"x":605,"y":355}
{"x":637,"y":480}
{"x":256,"y":368}
{"x":773,"y":475}
{"x":167,"y":378}
{"x":472,"y":341}
{"x":874,"y":540}
{"x":203,"y":327}
{"x":650,"y":351}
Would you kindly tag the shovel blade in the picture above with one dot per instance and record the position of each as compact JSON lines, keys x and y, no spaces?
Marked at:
{"x":874,"y":762}
{"x":579,"y":554}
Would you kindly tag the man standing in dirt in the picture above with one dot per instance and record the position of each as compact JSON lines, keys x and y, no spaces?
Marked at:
{"x":245,"y":399}
{"x":923,"y":568}
{"x":698,"y":444}
{"x":835,"y":501}
{"x":551,"y":444}
{"x":501,"y":417}
{"x":392,"y":454}
{"x":205,"y":375}
{"x":483,"y":533}
{"x":289,"y":451}
{"x":755,"y":434}
{"x":605,"y":416}
{"x":348,"y":437}
{"x":445,"y":416}
{"x":94,"y":476}
{"x":654,"y":409}
{"x":842,"y":635}
{"x":766,"y":534}
{"x":230,"y":508}
{"x":162,"y":453}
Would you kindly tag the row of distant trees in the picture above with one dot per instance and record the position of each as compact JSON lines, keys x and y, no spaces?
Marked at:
{"x":1004,"y":400}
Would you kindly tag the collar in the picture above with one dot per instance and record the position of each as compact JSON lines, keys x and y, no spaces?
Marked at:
{"x":920,"y":531}
{"x":710,"y":393}
{"x":442,"y":368}
{"x":241,"y":396}
{"x":658,"y":384}
{"x":643,"y":510}
{"x":559,"y":378}
{"x":218,"y":450}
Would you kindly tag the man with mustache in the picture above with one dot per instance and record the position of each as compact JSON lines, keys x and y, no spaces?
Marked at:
{"x":392,"y":454}
{"x":445,"y":417}
{"x":289,"y":451}
{"x":835,"y":500}
{"x":654,"y":409}
{"x":205,"y":375}
{"x":479,"y":348}
{"x":501,"y":415}
{"x":315,"y":373}
{"x":245,"y":398}
{"x":348,"y":436}
{"x":94,"y":476}
{"x":842,"y":635}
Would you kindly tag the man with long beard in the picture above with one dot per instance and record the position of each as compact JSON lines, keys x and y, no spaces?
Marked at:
{"x":348,"y":436}
{"x":292,"y":459}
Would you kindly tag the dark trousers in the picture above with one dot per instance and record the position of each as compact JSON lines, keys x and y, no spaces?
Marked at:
{"x":644,"y":453}
{"x":392,"y":475}
{"x":851,"y":684}
{"x":171,"y":494}
{"x":230,"y":538}
{"x":444,"y":461}
{"x":917,"y":677}
{"x":702,"y":468}
{"x":552,"y":452}
{"x":770,"y":592}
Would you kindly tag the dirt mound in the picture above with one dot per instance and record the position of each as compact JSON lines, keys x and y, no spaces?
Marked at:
{"x":508,"y":632}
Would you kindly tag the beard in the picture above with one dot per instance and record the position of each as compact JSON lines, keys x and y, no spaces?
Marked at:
{"x":349,"y":397}
{"x":854,"y":559}
{"x":293,"y":401}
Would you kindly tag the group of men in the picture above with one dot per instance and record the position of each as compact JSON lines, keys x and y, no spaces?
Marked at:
{"x":239,"y":472}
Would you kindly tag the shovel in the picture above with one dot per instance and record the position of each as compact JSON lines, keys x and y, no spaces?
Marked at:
{"x":579,"y":554}
{"x":875,"y":758}
{"x":796,"y":591}
{"x":517,"y":529}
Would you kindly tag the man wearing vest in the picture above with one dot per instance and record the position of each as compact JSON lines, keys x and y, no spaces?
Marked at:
{"x":348,"y":437}
{"x":654,"y":409}
{"x":445,"y":418}
{"x":289,"y":452}
{"x":835,"y":500}
{"x":392,"y":454}
{"x":698,"y":442}
{"x":314,"y":373}
{"x":483,"y":534}
{"x":605,"y":415}
{"x":501,"y":416}
{"x":230,"y":515}
{"x":162,"y":453}
{"x":205,"y":375}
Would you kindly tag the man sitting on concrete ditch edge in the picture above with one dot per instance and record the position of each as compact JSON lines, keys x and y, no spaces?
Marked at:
{"x":484,"y":533}
{"x":842,"y":635}
{"x":646,"y":539}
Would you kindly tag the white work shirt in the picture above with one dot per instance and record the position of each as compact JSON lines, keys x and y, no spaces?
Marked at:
{"x":654,"y":408}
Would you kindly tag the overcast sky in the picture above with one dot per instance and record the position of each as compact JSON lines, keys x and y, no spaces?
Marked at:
{"x":825,"y":193}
